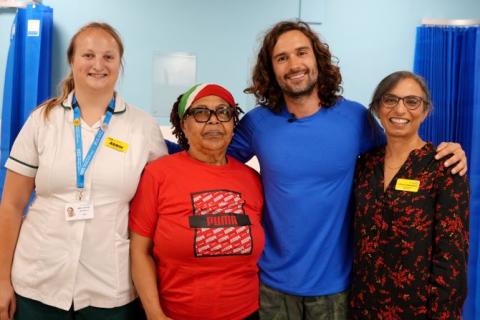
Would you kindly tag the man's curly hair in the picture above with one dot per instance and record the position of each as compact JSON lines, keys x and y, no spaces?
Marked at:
{"x":264,"y":84}
{"x":177,"y":123}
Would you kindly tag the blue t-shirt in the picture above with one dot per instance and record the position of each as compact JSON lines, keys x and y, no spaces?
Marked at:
{"x":307,"y":167}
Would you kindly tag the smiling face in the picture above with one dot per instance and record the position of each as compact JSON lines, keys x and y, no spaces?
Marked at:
{"x":211,"y":137}
{"x":96,"y":61}
{"x":294,"y":64}
{"x":400,"y":121}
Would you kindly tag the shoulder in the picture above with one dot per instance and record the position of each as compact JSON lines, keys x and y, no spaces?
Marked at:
{"x":258,"y":119}
{"x":166,"y":163}
{"x":427,"y":154}
{"x":425,"y":157}
{"x":349,"y":112}
{"x":56,"y":114}
{"x":357,"y":116}
{"x":259,"y":113}
{"x":39,"y":113}
{"x":140,"y":121}
{"x":371,"y":158}
{"x":136,"y":114}
{"x":350,"y":108}
{"x":452,"y":185}
{"x":344,"y":102}
{"x":259,"y":110}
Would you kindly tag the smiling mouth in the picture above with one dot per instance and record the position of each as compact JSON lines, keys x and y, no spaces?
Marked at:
{"x":399,"y":121}
{"x":296,"y":75}
{"x":97,"y":75}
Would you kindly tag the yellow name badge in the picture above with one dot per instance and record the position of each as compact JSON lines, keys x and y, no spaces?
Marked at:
{"x":116,"y":144}
{"x":407,"y":185}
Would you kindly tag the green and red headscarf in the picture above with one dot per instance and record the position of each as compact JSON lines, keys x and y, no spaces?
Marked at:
{"x":202,"y":90}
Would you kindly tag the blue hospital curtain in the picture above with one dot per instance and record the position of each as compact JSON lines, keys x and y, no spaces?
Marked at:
{"x":28,"y":73}
{"x":449,"y":59}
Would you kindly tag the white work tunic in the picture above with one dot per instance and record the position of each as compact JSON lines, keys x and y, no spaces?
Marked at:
{"x":86,"y":262}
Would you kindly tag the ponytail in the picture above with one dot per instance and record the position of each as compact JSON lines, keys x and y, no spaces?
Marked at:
{"x":67,"y":86}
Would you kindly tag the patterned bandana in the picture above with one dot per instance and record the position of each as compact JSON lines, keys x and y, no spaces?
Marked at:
{"x":202,"y":90}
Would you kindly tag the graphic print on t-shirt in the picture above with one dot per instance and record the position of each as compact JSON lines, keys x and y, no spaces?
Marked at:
{"x":221,"y":225}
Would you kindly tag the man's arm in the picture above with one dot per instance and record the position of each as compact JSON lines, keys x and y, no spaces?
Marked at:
{"x":172,"y":147}
{"x":241,"y":146}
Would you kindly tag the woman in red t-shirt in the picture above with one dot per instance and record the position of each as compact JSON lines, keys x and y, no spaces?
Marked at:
{"x":196,"y":219}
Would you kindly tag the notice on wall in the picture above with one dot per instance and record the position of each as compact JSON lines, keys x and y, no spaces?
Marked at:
{"x":173,"y":74}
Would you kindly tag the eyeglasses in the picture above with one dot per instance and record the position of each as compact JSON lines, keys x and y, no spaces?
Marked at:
{"x":410,"y":102}
{"x":203,"y":114}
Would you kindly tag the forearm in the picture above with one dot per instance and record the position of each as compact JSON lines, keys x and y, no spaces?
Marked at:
{"x":145,"y":280}
{"x":10,"y":221}
{"x":447,"y":295}
{"x":448,"y":280}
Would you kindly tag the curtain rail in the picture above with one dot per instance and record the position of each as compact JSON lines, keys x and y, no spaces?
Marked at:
{"x":17,"y":3}
{"x":451,"y":22}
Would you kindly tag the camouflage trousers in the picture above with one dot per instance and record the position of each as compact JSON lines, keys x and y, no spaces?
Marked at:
{"x":275,"y":305}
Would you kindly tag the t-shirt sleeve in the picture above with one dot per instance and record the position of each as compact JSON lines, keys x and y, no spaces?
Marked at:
{"x":24,"y":156}
{"x":155,"y":141}
{"x":144,"y":206}
{"x":372,"y":134}
{"x":241,"y":146}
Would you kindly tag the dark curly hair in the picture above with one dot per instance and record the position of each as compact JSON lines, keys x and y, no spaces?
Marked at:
{"x":177,"y":123}
{"x":264,"y":84}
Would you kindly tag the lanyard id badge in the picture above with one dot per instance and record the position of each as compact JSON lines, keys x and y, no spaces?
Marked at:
{"x":75,"y":211}
{"x":83,"y":164}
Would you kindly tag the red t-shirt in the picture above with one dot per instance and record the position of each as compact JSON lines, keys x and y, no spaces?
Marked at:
{"x":205,"y":222}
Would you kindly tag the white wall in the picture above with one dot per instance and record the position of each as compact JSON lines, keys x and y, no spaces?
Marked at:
{"x":371,"y":38}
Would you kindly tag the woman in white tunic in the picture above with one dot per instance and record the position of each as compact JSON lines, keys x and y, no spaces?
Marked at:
{"x":82,"y":153}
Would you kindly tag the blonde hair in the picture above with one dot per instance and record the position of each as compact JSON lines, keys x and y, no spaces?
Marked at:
{"x":67,"y":85}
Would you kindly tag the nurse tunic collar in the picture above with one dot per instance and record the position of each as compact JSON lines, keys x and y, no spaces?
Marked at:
{"x":120,"y":105}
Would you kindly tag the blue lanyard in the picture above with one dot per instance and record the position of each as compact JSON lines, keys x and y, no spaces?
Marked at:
{"x":83,"y":165}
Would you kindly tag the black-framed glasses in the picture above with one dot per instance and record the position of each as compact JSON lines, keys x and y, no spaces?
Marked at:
{"x":203,"y":114}
{"x":410,"y":102}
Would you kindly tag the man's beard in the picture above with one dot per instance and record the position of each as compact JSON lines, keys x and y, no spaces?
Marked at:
{"x":302,"y":92}
{"x":298,"y":92}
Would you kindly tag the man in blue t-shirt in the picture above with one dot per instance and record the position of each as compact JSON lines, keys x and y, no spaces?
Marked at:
{"x":307,"y":139}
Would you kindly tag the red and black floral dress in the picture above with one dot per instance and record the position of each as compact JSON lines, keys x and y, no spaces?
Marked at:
{"x":410,"y":246}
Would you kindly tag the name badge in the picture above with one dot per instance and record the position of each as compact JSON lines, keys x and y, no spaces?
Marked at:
{"x":78,"y":211}
{"x":407,"y":185}
{"x":116,"y":144}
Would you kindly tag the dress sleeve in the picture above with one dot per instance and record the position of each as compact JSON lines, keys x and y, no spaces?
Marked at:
{"x":448,"y":281}
{"x":143,"y":208}
{"x":24,"y":156}
{"x":241,"y":146}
